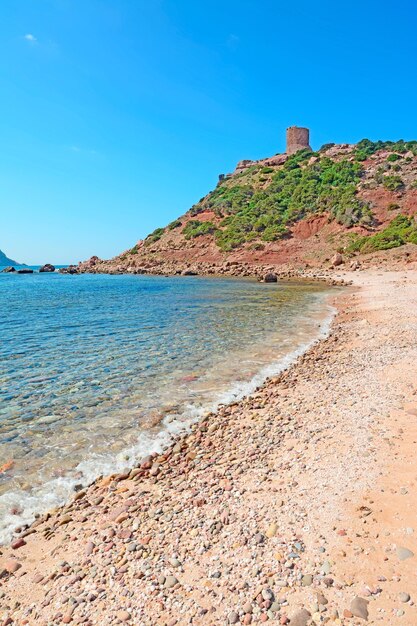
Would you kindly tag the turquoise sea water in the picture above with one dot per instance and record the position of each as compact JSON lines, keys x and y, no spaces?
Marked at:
{"x":96,"y":370}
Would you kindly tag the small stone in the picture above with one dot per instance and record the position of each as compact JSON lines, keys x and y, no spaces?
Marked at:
{"x":123,"y":616}
{"x":272,"y":530}
{"x":403,"y":597}
{"x":267,"y":594}
{"x":259,"y":538}
{"x":321,"y":599}
{"x":307,"y":580}
{"x":175,"y":562}
{"x":12,"y":566}
{"x":301,"y":618}
{"x":89,"y":548}
{"x":404,"y":553}
{"x":18,"y":543}
{"x":359,"y":607}
{"x":170,"y":582}
{"x":233,"y":617}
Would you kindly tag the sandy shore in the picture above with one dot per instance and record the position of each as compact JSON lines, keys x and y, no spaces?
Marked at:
{"x":296,"y":506}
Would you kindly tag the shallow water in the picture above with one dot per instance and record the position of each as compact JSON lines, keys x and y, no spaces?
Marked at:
{"x":96,"y":370}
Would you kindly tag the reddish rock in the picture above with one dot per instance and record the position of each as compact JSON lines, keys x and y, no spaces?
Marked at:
{"x":18,"y":543}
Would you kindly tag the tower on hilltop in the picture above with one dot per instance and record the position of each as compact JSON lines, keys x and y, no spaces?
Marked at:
{"x":297,"y":139}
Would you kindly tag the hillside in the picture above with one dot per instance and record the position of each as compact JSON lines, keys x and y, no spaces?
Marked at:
{"x":289,"y":211}
{"x":4,"y":260}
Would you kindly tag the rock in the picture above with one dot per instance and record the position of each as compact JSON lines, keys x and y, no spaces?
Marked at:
{"x":259,"y":538}
{"x":247,"y":607}
{"x":189,"y":273}
{"x":123,"y":616}
{"x":270,"y":277}
{"x":89,"y":548}
{"x":359,"y":607}
{"x":233,"y":617}
{"x":267,"y":594}
{"x":9,"y":270}
{"x":337,"y":259}
{"x":272,"y":530}
{"x":170,"y":582}
{"x":307,"y":580}
{"x":26,"y":270}
{"x":403,"y":597}
{"x":12,"y":566}
{"x":301,"y":618}
{"x":48,"y":267}
{"x":404,"y":553}
{"x":18,"y":543}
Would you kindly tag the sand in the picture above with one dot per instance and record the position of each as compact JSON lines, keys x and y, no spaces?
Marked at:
{"x":295,"y":506}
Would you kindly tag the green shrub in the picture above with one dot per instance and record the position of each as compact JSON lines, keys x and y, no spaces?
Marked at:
{"x":155,"y":236}
{"x":393,"y":183}
{"x":401,"y":230}
{"x":393,"y":157}
{"x":174,"y":224}
{"x":195,"y":228}
{"x":134,"y":250}
{"x":393,"y":206}
{"x":267,"y":170}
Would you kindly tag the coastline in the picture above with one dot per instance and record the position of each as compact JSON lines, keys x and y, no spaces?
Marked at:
{"x":256,"y":514}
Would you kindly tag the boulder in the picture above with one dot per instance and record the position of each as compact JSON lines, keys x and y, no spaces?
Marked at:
{"x":270,"y":277}
{"x":47,"y":268}
{"x":26,"y":270}
{"x":189,"y":273}
{"x":337,"y":259}
{"x":9,"y":269}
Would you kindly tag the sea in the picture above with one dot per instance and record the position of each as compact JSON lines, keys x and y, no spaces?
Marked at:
{"x":97,"y":371}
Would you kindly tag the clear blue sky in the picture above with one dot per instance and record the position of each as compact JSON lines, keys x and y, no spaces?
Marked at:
{"x":117,"y":115}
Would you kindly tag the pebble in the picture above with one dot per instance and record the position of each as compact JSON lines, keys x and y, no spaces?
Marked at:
{"x":403,"y":597}
{"x":404,"y":553}
{"x":301,"y":618}
{"x":233,"y":617}
{"x":307,"y":580}
{"x":123,"y":616}
{"x":12,"y":566}
{"x":272,"y":530}
{"x":170,"y":582}
{"x":359,"y":607}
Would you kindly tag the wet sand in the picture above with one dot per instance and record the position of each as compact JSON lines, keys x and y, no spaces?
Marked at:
{"x":295,"y":506}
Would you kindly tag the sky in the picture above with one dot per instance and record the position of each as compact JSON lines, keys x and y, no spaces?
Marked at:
{"x":117,"y":115}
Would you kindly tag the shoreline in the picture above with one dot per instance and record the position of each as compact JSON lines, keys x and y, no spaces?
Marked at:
{"x":162,"y":433}
{"x":216,"y":529}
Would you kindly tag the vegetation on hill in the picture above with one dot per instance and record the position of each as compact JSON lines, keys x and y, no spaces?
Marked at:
{"x":307,"y":183}
{"x":401,"y":230}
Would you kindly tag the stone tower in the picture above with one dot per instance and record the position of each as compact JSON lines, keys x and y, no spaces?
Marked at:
{"x":297,"y":139}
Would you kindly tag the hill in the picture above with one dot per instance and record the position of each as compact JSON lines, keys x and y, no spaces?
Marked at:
{"x":293,"y":210}
{"x":4,"y":260}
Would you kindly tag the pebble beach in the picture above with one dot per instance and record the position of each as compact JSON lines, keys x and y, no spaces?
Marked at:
{"x":293,"y":506}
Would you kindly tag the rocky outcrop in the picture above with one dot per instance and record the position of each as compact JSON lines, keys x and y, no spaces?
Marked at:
{"x":47,"y":268}
{"x":8,"y":270}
